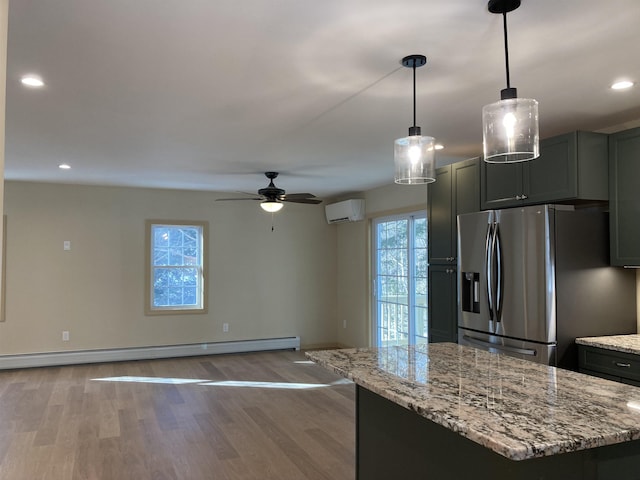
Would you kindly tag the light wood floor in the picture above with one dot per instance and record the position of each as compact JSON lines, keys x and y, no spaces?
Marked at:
{"x":65,"y":423}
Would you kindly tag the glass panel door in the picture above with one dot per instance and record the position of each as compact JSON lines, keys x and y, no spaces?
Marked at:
{"x":400,"y":279}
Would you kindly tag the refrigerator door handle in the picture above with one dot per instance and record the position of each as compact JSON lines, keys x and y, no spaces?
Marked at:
{"x":483,"y":344}
{"x":488,"y":262}
{"x":499,"y":294}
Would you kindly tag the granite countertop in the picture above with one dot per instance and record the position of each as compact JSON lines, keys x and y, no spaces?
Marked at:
{"x":517,"y":408}
{"x":618,"y":343}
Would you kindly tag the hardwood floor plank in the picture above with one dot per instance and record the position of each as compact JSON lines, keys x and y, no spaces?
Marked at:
{"x":217,"y":439}
{"x":48,"y":429}
{"x":109,"y":425}
{"x":289,"y":447}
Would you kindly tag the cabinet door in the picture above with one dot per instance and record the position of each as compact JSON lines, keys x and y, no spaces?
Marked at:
{"x":440,"y":223}
{"x":466,"y":187}
{"x":442,"y":320}
{"x":501,"y":185}
{"x":553,"y":176}
{"x":624,"y":200}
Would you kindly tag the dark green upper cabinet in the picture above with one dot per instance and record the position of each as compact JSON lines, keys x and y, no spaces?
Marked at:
{"x":624,"y":202}
{"x":455,"y":191}
{"x":440,"y":208}
{"x":465,"y":188}
{"x":571,"y":167}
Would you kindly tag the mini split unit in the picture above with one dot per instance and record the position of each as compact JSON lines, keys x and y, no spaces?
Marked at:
{"x":347,"y":211}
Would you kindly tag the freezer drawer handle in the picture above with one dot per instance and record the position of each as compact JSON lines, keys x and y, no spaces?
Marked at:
{"x":623,"y":365}
{"x":482,"y":343}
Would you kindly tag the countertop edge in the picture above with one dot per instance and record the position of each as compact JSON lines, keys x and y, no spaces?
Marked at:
{"x":615,"y":343}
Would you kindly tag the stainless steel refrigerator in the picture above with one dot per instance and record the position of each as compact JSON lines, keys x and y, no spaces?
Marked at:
{"x":532,"y":279}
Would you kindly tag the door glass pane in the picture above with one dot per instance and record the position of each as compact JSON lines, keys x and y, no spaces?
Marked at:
{"x":420,"y":279}
{"x":400,"y":270}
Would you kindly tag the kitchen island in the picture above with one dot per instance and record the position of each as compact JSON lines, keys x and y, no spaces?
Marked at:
{"x":446,"y":411}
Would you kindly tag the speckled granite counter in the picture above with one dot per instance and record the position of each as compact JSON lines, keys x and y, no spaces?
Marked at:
{"x":519,"y":409}
{"x":618,"y":343}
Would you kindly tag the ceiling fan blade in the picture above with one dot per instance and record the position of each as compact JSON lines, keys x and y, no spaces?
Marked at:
{"x":238,"y":198}
{"x":312,"y":201}
{"x":294,"y":196}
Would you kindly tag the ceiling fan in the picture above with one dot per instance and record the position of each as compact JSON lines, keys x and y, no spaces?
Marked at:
{"x":272,"y":196}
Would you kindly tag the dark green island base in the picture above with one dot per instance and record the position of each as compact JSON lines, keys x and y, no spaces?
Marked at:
{"x":395,"y":443}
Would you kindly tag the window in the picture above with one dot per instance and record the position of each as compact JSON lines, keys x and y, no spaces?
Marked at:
{"x":176,"y":273}
{"x":400,"y":279}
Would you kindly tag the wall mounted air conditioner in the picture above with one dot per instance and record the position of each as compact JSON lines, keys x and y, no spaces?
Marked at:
{"x":347,"y":211}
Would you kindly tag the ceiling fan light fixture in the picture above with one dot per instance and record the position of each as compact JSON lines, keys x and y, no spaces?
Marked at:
{"x":510,"y":129}
{"x":414,"y":155}
{"x":271,"y":206}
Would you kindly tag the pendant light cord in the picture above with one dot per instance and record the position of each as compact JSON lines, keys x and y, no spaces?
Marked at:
{"x":414,"y":94}
{"x":506,"y":49}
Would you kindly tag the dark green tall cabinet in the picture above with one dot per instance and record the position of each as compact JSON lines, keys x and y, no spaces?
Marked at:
{"x":624,"y":201}
{"x":571,"y":168}
{"x":455,"y":191}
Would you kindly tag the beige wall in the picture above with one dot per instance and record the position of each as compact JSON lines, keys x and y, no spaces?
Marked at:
{"x":264,"y":284}
{"x":4,"y":19}
{"x":354,"y":259}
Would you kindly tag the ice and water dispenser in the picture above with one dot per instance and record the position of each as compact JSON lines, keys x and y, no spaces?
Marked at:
{"x":470,"y":292}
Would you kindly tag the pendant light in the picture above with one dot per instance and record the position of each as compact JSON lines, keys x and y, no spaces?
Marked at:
{"x":414,"y":155}
{"x":510,"y":126}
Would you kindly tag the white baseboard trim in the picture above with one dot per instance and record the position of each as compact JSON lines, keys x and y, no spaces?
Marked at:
{"x":145,"y":353}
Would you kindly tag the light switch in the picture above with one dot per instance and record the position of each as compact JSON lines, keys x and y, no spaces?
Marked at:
{"x":67,"y":245}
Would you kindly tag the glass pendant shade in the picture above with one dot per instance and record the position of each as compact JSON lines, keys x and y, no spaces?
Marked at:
{"x":415,"y":160}
{"x":510,"y":130}
{"x":271,"y":206}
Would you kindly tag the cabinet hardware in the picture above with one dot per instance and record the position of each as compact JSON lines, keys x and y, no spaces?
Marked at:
{"x":518,"y":197}
{"x":622,"y":365}
{"x":524,"y":197}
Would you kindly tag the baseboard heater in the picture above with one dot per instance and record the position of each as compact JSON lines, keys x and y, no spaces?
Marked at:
{"x":146,"y":353}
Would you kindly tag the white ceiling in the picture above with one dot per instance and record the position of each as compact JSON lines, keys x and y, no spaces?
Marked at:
{"x":208,"y":94}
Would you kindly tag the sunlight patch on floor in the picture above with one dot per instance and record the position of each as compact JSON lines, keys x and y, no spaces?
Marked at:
{"x":162,"y":380}
{"x":225,"y":383}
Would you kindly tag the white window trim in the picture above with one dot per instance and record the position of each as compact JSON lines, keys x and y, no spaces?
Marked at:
{"x":148,"y":309}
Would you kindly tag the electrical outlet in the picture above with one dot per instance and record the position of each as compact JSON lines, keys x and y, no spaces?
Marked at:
{"x":66,"y":245}
{"x":344,"y":324}
{"x":225,"y":327}
{"x":65,"y":335}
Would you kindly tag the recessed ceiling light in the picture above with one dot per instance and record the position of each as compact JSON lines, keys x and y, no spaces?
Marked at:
{"x":623,"y":85}
{"x":439,"y":147}
{"x":34,"y":81}
{"x":64,"y":166}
